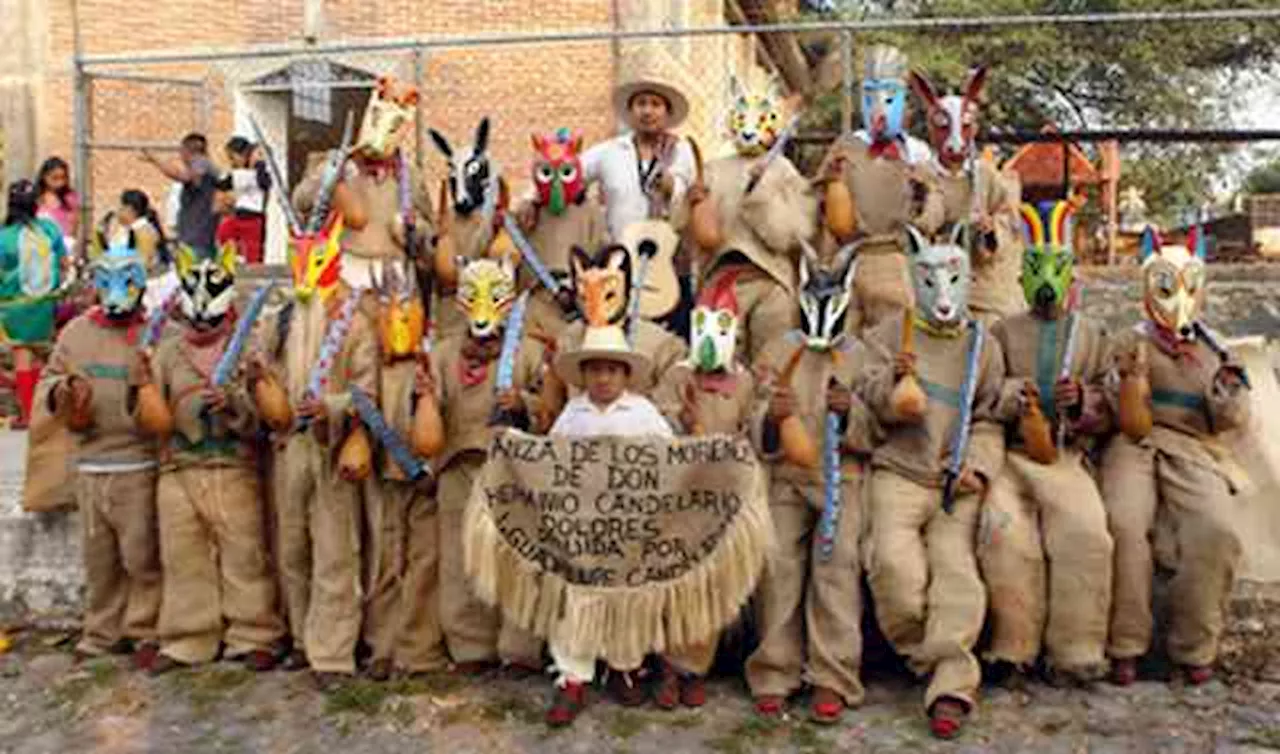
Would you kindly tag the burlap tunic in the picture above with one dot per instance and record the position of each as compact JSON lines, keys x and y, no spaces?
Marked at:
{"x":996,"y":291}
{"x":554,"y":236}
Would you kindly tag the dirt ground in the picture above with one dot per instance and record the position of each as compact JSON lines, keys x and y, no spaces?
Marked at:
{"x":51,"y":705}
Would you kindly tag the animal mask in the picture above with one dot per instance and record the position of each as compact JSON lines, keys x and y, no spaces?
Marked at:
{"x":713,"y":339}
{"x":208,"y":283}
{"x":602,"y":282}
{"x":824,"y":296}
{"x":1048,"y":263}
{"x":884,"y":93}
{"x":120,"y":279}
{"x":387,"y":120}
{"x":953,"y":119}
{"x":755,"y":120}
{"x":940,"y":276}
{"x":1173,"y":281}
{"x":316,"y":260}
{"x":471,"y":173}
{"x":401,"y":317}
{"x":557,"y":170}
{"x":486,"y":293}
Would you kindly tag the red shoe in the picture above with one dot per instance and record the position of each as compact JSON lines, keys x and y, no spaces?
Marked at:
{"x":668,"y":694}
{"x":1198,"y":675}
{"x":693,"y":692}
{"x":474,"y":668}
{"x":626,"y":688}
{"x":259,"y":661}
{"x":571,"y":699}
{"x":946,"y":719}
{"x":770,"y":706}
{"x":1124,"y":672}
{"x":145,"y":657}
{"x":826,"y":707}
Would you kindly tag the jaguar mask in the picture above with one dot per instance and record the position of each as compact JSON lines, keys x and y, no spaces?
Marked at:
{"x":401,"y":317}
{"x":486,"y":293}
{"x":388,"y":119}
{"x":824,"y":296}
{"x":755,"y":120}
{"x":208,"y":284}
{"x":1048,"y":262}
{"x":940,"y":276}
{"x":602,"y":282}
{"x":557,"y":170}
{"x":471,"y":173}
{"x":1173,"y":281}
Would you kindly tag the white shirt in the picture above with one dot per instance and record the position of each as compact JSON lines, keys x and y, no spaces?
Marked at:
{"x":614,"y":165}
{"x":630,"y":415}
{"x":249,"y":195}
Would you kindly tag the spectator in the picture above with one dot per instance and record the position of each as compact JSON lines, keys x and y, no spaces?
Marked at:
{"x":138,"y":218}
{"x":197,"y":221}
{"x":57,"y":201}
{"x":248,"y":183}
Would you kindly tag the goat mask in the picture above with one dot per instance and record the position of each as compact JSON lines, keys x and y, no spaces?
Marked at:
{"x":755,"y":120}
{"x":1173,"y":281}
{"x":557,"y":170}
{"x":884,"y":93}
{"x":120,"y":279}
{"x":602,"y":282}
{"x":401,"y":317}
{"x":207,"y":282}
{"x":713,"y":337}
{"x":940,"y":276}
{"x":953,"y":119}
{"x":471,"y":173}
{"x":486,"y":293}
{"x":1048,"y":263}
{"x":316,"y":261}
{"x":824,"y":296}
{"x":387,"y":120}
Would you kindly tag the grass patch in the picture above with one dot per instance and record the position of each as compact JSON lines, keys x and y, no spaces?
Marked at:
{"x":806,"y":740}
{"x":686,"y":722}
{"x":206,"y":687}
{"x":742,"y":738}
{"x":357,"y":695}
{"x":402,"y":713}
{"x":624,"y":724}
{"x":102,"y":671}
{"x":435,"y":683}
{"x":1267,"y":737}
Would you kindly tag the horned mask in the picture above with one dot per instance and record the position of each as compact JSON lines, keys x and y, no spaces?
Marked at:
{"x":1048,"y":262}
{"x":557,"y":170}
{"x":1173,"y":281}
{"x":120,"y":279}
{"x":884,"y":93}
{"x":401,"y":317}
{"x":755,"y":119}
{"x":953,"y":119}
{"x":824,"y":296}
{"x":713,"y":338}
{"x":207,"y":282}
{"x":486,"y":293}
{"x":471,"y":173}
{"x":940,"y":276}
{"x":387,"y":120}
{"x":602,"y":282}
{"x":316,"y":261}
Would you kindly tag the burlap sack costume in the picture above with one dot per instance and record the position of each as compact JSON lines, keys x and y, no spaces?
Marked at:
{"x":995,"y":292}
{"x":930,"y":599}
{"x":115,"y":487}
{"x":1043,"y":543}
{"x":209,"y":503}
{"x":1173,"y":483}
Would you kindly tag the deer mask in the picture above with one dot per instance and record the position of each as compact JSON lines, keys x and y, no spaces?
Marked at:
{"x":953,"y":119}
{"x":602,"y":282}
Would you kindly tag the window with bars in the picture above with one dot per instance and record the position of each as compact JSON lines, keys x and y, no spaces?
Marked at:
{"x":311,"y":92}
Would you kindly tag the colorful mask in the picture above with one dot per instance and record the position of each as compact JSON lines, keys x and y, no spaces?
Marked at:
{"x":602,"y":282}
{"x":953,"y":119}
{"x":1173,"y":281}
{"x":486,"y":292}
{"x":208,"y":283}
{"x":713,"y":339}
{"x":471,"y":173}
{"x":755,"y":120}
{"x":940,"y":276}
{"x":401,"y":317}
{"x":387,"y":120}
{"x":884,"y":93}
{"x":557,"y":170}
{"x":824,"y":296}
{"x":1048,"y":263}
{"x":120,"y":279}
{"x":316,"y":261}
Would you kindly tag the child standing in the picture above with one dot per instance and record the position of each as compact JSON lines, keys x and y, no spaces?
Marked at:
{"x":249,"y":181}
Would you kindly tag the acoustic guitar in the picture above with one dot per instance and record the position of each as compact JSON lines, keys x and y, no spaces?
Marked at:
{"x":652,"y":245}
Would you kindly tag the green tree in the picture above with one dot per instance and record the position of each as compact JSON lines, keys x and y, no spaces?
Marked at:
{"x":1264,"y":179}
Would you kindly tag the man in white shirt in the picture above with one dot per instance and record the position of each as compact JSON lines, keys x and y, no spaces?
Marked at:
{"x":605,"y":368}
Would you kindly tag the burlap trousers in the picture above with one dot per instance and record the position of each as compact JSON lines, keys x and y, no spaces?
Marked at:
{"x":1186,"y":508}
{"x":121,"y":557}
{"x":809,"y":610}
{"x":217,"y":580}
{"x":930,"y":601}
{"x":318,"y":525}
{"x":765,"y":309}
{"x":473,"y":631}
{"x":1046,"y":556}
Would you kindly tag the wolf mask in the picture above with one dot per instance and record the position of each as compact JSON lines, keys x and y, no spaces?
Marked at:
{"x":940,"y":276}
{"x":486,"y":293}
{"x":1173,"y":281}
{"x":120,"y":279}
{"x":207,"y":282}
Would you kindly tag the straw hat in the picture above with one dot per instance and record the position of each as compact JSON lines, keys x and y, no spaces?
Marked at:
{"x":642,"y":75}
{"x":602,"y":343}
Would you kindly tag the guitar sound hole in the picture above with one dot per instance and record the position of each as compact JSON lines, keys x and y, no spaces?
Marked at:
{"x":647,"y":247}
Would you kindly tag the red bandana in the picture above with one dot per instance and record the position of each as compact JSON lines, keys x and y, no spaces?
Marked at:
{"x":379,"y":170}
{"x":99,"y":317}
{"x":723,"y":383}
{"x":887,"y":149}
{"x":204,"y":347}
{"x":473,"y":367}
{"x":1173,"y":346}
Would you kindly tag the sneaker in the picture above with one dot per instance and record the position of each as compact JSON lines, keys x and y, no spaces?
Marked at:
{"x":667,"y":695}
{"x":626,"y":688}
{"x":693,"y":691}
{"x":1124,"y":672}
{"x":571,"y":699}
{"x":826,"y":706}
{"x":946,"y":719}
{"x":770,"y":706}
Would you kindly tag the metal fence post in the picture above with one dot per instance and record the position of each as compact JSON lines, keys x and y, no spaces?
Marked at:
{"x":83,"y":169}
{"x":846,"y":81}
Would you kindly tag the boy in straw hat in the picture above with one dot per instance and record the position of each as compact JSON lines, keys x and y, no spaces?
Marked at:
{"x":606,"y":370}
